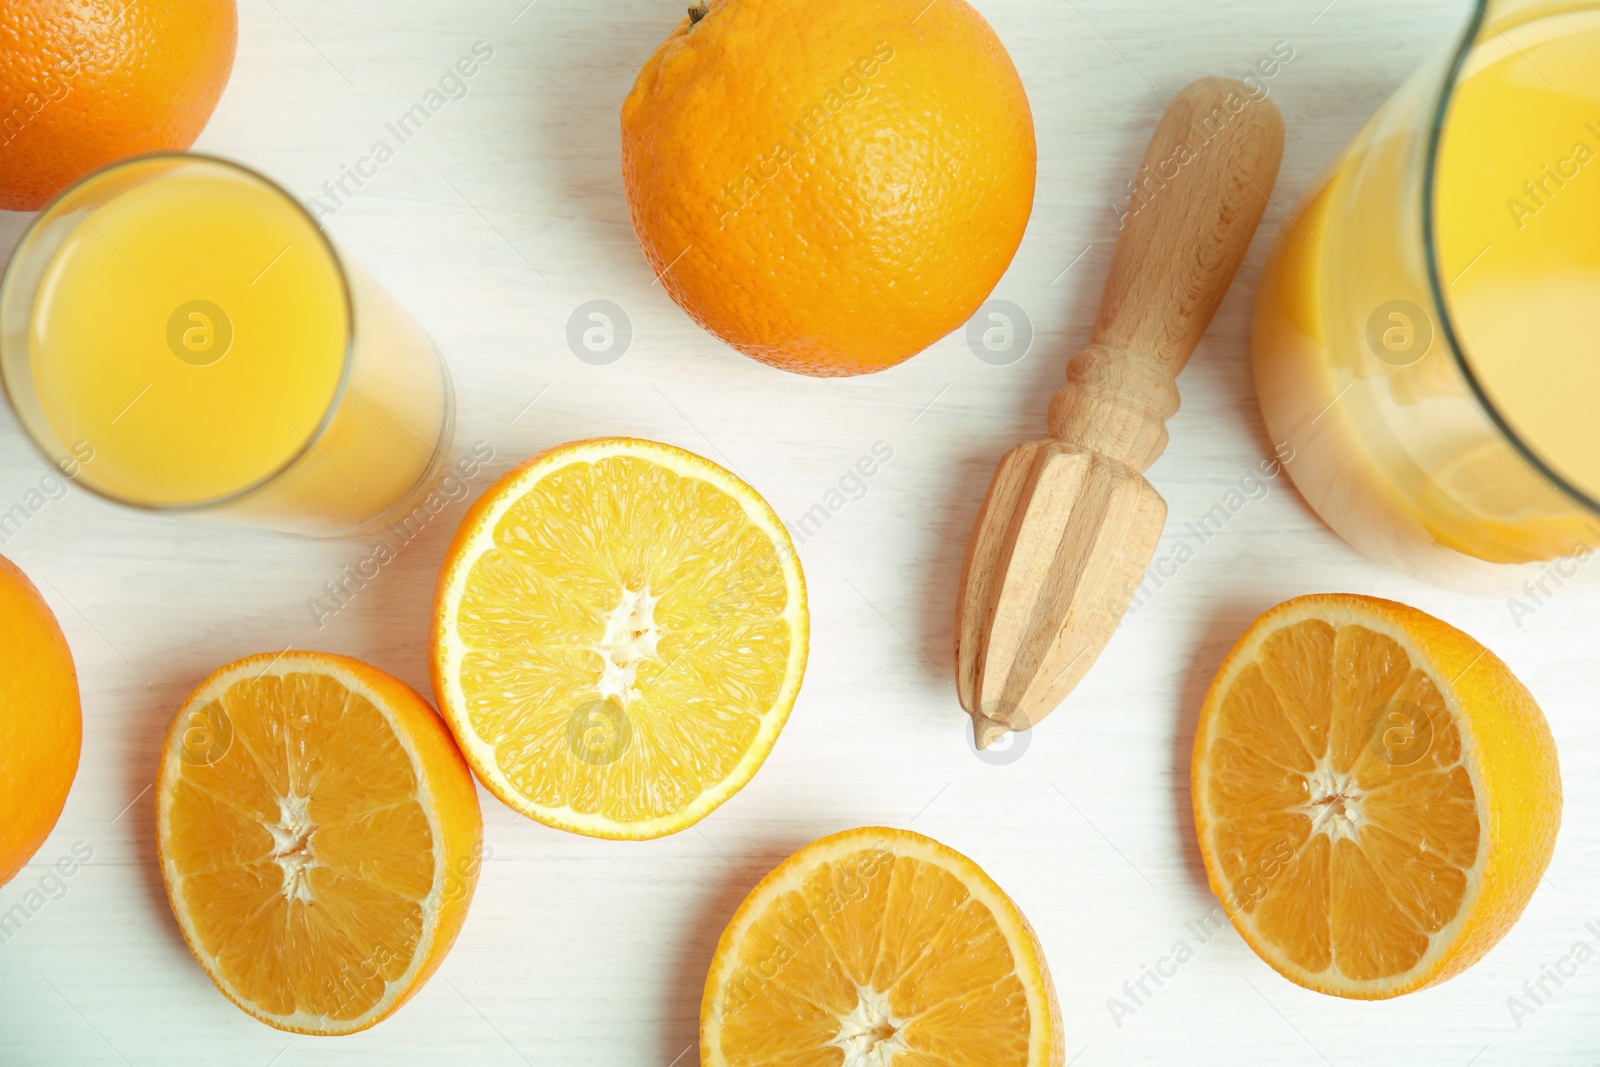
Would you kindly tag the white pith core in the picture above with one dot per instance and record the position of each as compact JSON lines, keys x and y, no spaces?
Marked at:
{"x":291,"y":846}
{"x":1334,"y":802}
{"x":630,"y":635}
{"x":870,"y":1035}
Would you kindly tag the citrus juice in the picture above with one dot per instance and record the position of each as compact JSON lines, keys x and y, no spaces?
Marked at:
{"x":1422,"y":347}
{"x":191,"y":339}
{"x":186,"y":400}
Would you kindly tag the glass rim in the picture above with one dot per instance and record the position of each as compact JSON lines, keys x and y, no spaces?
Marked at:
{"x":1452,"y":337}
{"x":347,"y":360}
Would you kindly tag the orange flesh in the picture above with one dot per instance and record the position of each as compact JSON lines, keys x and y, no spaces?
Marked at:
{"x":303,"y":855}
{"x":874,"y":950}
{"x":1344,"y":821}
{"x":643,"y":595}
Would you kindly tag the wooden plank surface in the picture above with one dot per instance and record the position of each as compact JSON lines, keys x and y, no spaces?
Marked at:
{"x":493,"y":224}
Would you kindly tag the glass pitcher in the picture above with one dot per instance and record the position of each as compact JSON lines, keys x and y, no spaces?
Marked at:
{"x":1425,"y":350}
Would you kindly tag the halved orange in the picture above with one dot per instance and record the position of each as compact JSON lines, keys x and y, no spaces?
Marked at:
{"x":319,"y":836}
{"x":879,"y":948}
{"x":1376,"y":795}
{"x":619,"y":634}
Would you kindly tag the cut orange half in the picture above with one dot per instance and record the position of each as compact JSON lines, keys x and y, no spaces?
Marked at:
{"x":619,"y":633}
{"x":879,"y":948}
{"x":1376,"y":795}
{"x":319,"y":837}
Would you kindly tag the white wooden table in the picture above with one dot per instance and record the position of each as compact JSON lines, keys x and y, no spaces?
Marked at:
{"x":492,"y":225}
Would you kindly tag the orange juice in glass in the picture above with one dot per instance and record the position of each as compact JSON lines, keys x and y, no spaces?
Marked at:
{"x":178,"y":332}
{"x":1425,"y":346}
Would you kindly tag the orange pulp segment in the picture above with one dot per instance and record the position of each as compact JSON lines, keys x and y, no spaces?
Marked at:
{"x":879,"y":948}
{"x":620,"y":633}
{"x":1376,"y":795}
{"x":319,"y":837}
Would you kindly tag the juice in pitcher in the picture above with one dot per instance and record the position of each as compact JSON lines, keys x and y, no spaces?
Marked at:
{"x":1424,"y":341}
{"x":181,"y":332}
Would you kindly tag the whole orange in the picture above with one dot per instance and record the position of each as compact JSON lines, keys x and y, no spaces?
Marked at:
{"x":829,"y":187}
{"x":87,"y":82}
{"x":41,"y":726}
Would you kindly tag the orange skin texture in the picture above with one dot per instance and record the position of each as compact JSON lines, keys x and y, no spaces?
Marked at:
{"x":81,"y":86}
{"x":830,"y":188}
{"x":41,"y":722}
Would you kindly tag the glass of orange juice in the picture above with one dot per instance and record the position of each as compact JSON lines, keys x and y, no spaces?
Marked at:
{"x":178,"y":334}
{"x":1425,"y":334}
